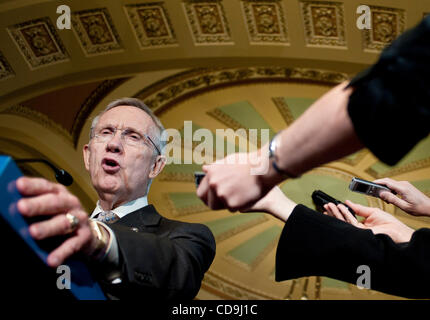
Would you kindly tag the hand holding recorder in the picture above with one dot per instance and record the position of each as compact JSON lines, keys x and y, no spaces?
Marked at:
{"x":409,"y":198}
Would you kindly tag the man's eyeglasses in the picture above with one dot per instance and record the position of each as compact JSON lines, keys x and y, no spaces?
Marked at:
{"x":128,"y":137}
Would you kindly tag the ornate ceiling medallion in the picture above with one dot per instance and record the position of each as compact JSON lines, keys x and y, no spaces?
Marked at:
{"x":38,"y":42}
{"x":265,"y":21}
{"x":207,"y":22}
{"x":96,"y":32}
{"x":151,"y":25}
{"x":387,"y":25}
{"x":324,"y":23}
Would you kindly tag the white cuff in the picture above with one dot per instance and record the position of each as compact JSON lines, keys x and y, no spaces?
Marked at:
{"x":111,"y":255}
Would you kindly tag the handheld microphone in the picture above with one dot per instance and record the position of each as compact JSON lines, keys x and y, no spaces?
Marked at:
{"x":61,"y":175}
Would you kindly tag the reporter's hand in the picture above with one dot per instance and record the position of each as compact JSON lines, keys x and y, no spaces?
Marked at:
{"x":275,"y":203}
{"x":44,"y":198}
{"x":234,"y":182}
{"x":380,"y":222}
{"x":411,"y":200}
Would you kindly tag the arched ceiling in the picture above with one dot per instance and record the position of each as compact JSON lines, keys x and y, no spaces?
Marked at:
{"x":111,"y":39}
{"x":220,"y":64}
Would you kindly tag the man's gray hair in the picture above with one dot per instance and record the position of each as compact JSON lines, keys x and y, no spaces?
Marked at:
{"x":155,"y":131}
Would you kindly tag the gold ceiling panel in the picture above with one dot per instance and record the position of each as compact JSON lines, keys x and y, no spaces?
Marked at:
{"x":207,"y":21}
{"x":151,"y":25}
{"x":324,"y":23}
{"x":96,"y":32}
{"x":131,"y":37}
{"x":38,"y":42}
{"x":387,"y":24}
{"x":265,"y":22}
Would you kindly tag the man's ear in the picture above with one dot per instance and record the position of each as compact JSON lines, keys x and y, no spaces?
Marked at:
{"x":86,"y":153}
{"x":157,"y":167}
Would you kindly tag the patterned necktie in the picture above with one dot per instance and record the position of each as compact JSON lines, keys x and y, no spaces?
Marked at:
{"x":107,"y":217}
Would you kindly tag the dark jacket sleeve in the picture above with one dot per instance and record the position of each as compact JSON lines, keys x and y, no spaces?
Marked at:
{"x":313,"y":244}
{"x":389,"y":107}
{"x":162,"y":267}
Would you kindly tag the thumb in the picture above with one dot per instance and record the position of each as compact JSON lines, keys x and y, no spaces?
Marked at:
{"x":360,"y":210}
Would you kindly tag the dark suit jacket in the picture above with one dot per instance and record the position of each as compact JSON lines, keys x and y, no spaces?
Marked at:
{"x":313,"y":244}
{"x":160,"y":259}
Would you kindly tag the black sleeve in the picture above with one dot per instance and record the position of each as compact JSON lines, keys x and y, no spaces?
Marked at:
{"x":168,"y":267}
{"x":313,"y":244}
{"x":390,"y":107}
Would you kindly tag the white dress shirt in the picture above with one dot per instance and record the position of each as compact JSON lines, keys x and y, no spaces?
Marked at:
{"x":125,"y":209}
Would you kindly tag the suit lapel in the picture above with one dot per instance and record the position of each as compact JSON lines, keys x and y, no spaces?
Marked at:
{"x":146,"y":216}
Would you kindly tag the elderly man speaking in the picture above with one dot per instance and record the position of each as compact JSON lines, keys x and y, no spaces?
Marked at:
{"x":134,"y":251}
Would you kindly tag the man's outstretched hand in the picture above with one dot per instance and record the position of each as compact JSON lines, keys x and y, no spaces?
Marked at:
{"x":45,"y":198}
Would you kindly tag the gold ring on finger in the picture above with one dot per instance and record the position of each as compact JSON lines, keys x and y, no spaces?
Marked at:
{"x":74,"y":221}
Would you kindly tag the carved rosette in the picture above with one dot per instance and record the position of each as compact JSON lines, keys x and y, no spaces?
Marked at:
{"x":387,"y":25}
{"x":265,"y":21}
{"x":38,"y":42}
{"x":324,"y":23}
{"x":151,"y":25}
{"x":207,"y":22}
{"x":96,"y":32}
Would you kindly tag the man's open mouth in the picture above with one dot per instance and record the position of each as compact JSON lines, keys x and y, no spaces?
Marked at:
{"x":110,"y":165}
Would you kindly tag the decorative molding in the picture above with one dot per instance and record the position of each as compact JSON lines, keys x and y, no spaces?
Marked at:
{"x":413,"y":166}
{"x":265,"y":21}
{"x":318,"y":284}
{"x":160,"y":96}
{"x":332,"y":172}
{"x":207,"y":21}
{"x":38,"y":42}
{"x":284,"y":110}
{"x":6,"y":70}
{"x":324,"y":23}
{"x":40,"y":118}
{"x":96,"y":32}
{"x":233,"y":290}
{"x":387,"y":25}
{"x":220,"y":287}
{"x":151,"y":25}
{"x":289,"y":295}
{"x":357,"y":159}
{"x":90,"y":103}
{"x":225,"y":119}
